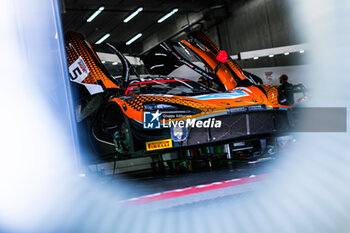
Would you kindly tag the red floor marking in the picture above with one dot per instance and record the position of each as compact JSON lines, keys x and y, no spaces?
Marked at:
{"x":195,"y":189}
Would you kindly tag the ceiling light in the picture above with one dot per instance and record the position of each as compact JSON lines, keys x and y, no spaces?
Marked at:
{"x":271,"y":55}
{"x":168,"y":15}
{"x":103,"y":62}
{"x":115,"y":63}
{"x":286,"y":54}
{"x":133,"y":39}
{"x":95,"y":14}
{"x":127,"y":19}
{"x":103,"y":38}
{"x":156,"y":66}
{"x":301,"y":51}
{"x":256,"y":58}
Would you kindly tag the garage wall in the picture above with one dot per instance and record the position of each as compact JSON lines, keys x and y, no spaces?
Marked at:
{"x":260,"y":24}
{"x":296,"y":74}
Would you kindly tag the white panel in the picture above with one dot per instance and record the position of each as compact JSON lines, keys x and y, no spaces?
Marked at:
{"x":274,"y":51}
{"x":296,"y":74}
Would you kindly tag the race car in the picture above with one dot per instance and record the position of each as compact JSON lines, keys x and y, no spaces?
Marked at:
{"x":136,"y":115}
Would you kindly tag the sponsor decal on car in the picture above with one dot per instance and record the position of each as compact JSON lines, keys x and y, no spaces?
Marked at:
{"x":78,"y":70}
{"x":157,"y":145}
{"x":232,"y":95}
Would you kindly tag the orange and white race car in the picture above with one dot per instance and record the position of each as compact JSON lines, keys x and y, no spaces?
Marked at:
{"x":133,"y":113}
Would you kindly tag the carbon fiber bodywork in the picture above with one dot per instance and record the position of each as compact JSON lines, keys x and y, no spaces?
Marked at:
{"x":234,"y":127}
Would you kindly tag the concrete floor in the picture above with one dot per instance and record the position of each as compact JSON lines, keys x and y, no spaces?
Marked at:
{"x":155,"y":184}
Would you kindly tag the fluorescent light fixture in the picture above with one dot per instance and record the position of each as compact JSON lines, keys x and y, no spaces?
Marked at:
{"x":127,"y":19}
{"x":234,"y":57}
{"x":103,"y":62}
{"x":286,"y":53}
{"x":256,"y":58}
{"x":115,"y":63}
{"x":168,"y":15}
{"x":133,"y":39}
{"x":161,"y":54}
{"x":103,"y":38}
{"x":274,"y":51}
{"x":271,"y":55}
{"x":95,"y":14}
{"x":301,"y":51}
{"x":156,"y":66}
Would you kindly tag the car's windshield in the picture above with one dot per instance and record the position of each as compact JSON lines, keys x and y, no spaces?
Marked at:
{"x":181,"y":87}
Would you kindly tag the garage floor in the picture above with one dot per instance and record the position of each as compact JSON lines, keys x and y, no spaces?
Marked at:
{"x":180,"y":184}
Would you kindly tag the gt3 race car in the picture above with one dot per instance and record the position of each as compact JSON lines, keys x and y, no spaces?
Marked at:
{"x":130,"y":113}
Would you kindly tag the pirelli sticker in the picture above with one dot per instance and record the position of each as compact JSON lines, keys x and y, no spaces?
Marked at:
{"x":157,"y":145}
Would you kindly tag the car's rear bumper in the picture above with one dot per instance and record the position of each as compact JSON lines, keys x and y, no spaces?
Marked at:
{"x":234,"y":127}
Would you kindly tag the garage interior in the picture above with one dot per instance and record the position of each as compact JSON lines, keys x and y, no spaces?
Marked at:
{"x":50,"y":183}
{"x":235,"y":26}
{"x":261,"y":36}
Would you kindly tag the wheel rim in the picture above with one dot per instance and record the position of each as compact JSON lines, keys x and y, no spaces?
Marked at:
{"x":127,"y":138}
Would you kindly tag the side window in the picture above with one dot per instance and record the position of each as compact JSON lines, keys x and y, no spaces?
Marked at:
{"x":191,"y":56}
{"x":112,"y":63}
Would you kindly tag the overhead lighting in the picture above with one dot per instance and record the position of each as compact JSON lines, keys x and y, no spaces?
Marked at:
{"x":127,"y":19}
{"x":115,"y":63}
{"x":103,"y":62}
{"x":286,"y":54}
{"x":168,"y":15}
{"x":256,"y":58}
{"x":161,"y":54}
{"x":133,"y":39}
{"x":95,"y":14}
{"x":156,"y":66}
{"x":276,"y":51}
{"x":301,"y":51}
{"x":103,"y":38}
